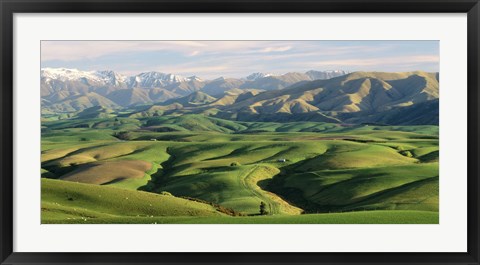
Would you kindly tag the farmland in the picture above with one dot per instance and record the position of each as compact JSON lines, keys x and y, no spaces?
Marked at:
{"x":198,"y":169}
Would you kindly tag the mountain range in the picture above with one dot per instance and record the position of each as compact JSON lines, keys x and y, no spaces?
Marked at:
{"x":335,"y":96}
{"x":70,"y":90}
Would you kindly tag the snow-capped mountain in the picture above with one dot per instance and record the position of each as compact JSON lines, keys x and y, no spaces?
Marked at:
{"x":64,"y":74}
{"x":256,"y":76}
{"x":194,"y":78}
{"x":154,"y":79}
{"x":312,"y":75}
{"x":108,"y":77}
{"x":65,"y":90}
{"x":315,"y":75}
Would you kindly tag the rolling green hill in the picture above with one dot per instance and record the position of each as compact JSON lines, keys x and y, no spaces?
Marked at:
{"x":80,"y":102}
{"x":358,"y":148}
{"x":298,"y":167}
{"x":64,"y":201}
{"x":70,"y":202}
{"x":95,"y":112}
{"x":197,"y":98}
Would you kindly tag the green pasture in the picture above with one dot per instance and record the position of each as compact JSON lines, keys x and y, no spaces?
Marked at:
{"x":305,"y":172}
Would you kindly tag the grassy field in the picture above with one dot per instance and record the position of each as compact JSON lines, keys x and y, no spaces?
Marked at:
{"x":372,"y":217}
{"x":76,"y":201}
{"x":212,"y":169}
{"x":70,"y":202}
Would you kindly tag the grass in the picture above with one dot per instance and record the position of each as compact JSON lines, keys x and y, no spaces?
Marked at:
{"x":364,"y":217}
{"x":395,"y":187}
{"x":63,"y":199}
{"x":328,"y":169}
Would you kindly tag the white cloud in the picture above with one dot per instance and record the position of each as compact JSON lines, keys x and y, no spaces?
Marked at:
{"x":78,"y":50}
{"x":234,"y":58}
{"x":277,"y":49}
{"x":397,"y":60}
{"x":194,"y":53}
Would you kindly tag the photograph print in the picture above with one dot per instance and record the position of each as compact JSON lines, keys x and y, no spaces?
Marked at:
{"x":239,"y":132}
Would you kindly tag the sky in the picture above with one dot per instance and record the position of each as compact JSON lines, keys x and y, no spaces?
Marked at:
{"x":213,"y":59}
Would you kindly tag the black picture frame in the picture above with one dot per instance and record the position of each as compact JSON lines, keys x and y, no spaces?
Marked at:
{"x":10,"y":7}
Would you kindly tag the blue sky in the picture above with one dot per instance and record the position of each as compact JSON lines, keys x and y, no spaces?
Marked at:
{"x":212,"y":59}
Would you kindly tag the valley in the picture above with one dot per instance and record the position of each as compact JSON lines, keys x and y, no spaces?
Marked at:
{"x":331,"y":147}
{"x":293,"y":170}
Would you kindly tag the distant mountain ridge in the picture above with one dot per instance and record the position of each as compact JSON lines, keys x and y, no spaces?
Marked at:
{"x":359,"y":97}
{"x":409,"y":98}
{"x":403,"y":98}
{"x":60,"y":87}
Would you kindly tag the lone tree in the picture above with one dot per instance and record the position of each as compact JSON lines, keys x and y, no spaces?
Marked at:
{"x":262,"y":208}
